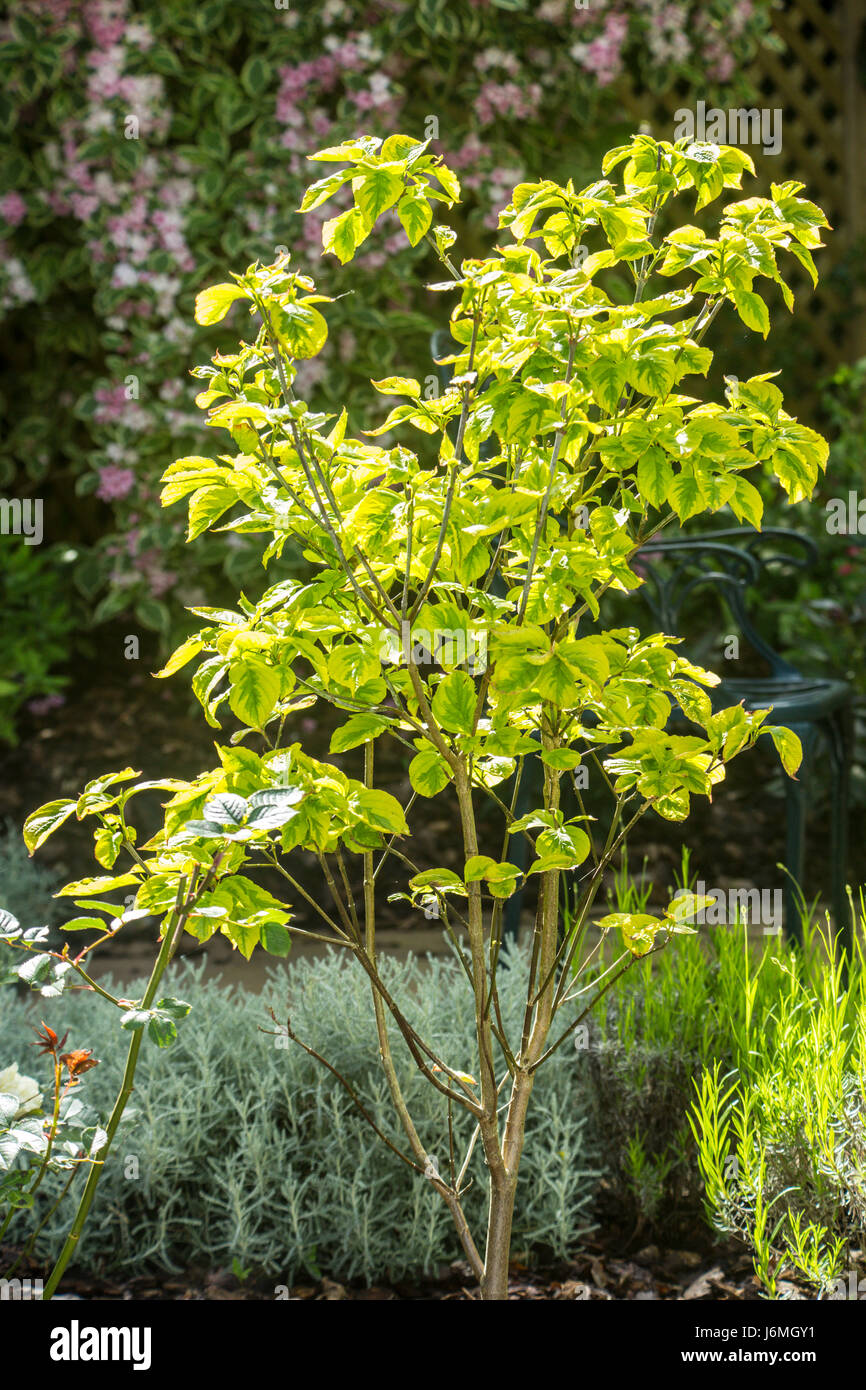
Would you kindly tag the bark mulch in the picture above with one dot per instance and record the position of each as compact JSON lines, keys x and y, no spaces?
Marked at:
{"x":652,"y":1274}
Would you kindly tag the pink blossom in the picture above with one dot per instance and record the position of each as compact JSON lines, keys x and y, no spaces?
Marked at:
{"x":472,"y":151}
{"x":13,"y":208}
{"x":84,"y":206}
{"x":114,"y":483}
{"x":106,"y":21}
{"x":160,"y":581}
{"x":723,"y":68}
{"x":601,"y":57}
{"x":506,"y":99}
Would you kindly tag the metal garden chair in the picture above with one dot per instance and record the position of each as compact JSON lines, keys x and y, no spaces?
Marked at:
{"x":817,"y":708}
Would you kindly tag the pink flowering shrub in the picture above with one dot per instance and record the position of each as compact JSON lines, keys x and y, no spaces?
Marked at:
{"x":147,"y":147}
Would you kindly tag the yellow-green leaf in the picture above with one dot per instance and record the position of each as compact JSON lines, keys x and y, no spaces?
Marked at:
{"x":788,"y":747}
{"x":254,"y":690}
{"x":416,"y":215}
{"x":341,"y":235}
{"x":213,"y":304}
{"x":42,"y":823}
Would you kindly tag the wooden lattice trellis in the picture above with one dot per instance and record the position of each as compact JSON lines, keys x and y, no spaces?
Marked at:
{"x":817,"y":77}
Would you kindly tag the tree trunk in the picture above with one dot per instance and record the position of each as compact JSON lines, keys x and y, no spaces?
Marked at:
{"x":494,"y":1285}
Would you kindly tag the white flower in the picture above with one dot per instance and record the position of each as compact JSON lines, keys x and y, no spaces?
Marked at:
{"x":104,"y":187}
{"x":24,"y":1088}
{"x":98,"y":118}
{"x":380,"y":87}
{"x":124,"y":274}
{"x":138,"y":34}
{"x":165,"y":285}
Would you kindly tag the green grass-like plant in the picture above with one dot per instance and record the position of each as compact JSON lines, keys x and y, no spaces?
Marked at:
{"x":781,"y":1136}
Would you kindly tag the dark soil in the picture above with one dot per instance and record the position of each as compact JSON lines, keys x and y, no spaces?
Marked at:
{"x":600,"y":1274}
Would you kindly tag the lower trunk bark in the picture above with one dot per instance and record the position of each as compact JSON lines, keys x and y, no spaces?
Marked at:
{"x":494,"y":1285}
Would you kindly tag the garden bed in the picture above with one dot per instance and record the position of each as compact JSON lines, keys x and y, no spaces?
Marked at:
{"x":600,"y":1274}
